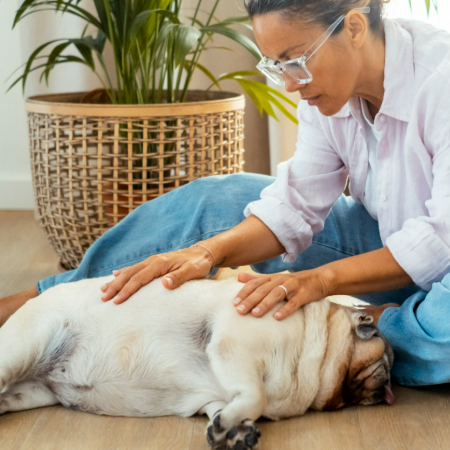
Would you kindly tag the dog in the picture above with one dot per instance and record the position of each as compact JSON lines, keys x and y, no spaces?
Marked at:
{"x":186,"y":351}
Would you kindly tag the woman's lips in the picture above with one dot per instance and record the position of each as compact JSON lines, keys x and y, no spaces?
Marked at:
{"x":312,"y":101}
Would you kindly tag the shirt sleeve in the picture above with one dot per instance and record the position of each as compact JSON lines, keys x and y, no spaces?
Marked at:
{"x":296,"y":205}
{"x":422,"y":246}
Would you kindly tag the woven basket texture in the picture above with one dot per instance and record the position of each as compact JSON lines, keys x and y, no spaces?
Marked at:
{"x":91,"y":168}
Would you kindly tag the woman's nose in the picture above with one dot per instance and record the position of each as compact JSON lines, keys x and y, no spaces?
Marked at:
{"x":290,"y":84}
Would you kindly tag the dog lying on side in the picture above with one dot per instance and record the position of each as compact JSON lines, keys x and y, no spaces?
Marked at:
{"x":186,"y":352}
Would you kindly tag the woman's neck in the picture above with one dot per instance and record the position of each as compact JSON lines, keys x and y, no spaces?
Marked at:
{"x":371,"y":85}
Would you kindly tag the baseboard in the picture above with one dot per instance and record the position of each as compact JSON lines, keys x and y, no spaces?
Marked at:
{"x":16,"y":193}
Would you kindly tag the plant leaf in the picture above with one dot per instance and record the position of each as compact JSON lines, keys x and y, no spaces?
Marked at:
{"x":184,"y":39}
{"x":236,"y":75}
{"x":266,"y":96}
{"x":141,"y":18}
{"x":240,"y":38}
{"x":206,"y":72}
{"x":31,"y":59}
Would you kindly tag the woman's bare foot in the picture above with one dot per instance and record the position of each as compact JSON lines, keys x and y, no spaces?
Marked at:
{"x":9,"y":305}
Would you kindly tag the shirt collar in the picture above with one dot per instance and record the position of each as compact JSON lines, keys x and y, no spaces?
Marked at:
{"x":399,"y":86}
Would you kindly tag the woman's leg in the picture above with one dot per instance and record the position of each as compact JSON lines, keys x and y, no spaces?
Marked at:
{"x":209,"y":206}
{"x":419,"y":332}
{"x":194,"y":212}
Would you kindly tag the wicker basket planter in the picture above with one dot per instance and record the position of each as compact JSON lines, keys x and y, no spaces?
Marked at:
{"x":93,"y":163}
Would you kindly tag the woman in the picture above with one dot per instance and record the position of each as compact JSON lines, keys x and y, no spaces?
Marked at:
{"x":375,"y":108}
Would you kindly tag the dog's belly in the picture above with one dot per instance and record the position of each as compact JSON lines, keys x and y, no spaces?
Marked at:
{"x":132,"y":375}
{"x":151,"y":355}
{"x":141,"y":358}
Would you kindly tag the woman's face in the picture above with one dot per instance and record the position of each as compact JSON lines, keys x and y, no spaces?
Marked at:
{"x":335,"y":66}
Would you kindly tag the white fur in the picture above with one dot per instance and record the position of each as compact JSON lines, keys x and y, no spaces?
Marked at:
{"x":144,"y":358}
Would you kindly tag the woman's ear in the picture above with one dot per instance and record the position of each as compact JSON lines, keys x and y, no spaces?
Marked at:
{"x":357,"y":26}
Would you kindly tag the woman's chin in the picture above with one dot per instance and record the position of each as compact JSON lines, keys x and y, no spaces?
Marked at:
{"x":328,"y":108}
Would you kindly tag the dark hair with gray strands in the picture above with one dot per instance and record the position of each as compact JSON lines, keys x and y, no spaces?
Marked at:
{"x":320,"y":12}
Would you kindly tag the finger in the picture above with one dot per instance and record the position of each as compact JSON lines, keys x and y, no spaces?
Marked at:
{"x":249,"y":288}
{"x":276,"y":296}
{"x":245,"y":277}
{"x":114,"y":286}
{"x":186,"y":272}
{"x":255,"y":298}
{"x":116,"y":273}
{"x":138,"y":280}
{"x":288,"y":309}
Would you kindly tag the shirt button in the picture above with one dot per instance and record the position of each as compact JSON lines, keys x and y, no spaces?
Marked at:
{"x":383,"y":198}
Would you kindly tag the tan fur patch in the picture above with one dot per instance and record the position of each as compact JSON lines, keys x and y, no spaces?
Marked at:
{"x":366,"y":353}
{"x":128,"y":347}
{"x":336,"y":361}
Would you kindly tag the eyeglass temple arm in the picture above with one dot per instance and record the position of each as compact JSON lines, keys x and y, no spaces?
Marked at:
{"x":329,"y":32}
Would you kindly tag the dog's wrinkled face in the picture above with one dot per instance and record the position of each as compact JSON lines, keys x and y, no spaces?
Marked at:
{"x":367,"y":380}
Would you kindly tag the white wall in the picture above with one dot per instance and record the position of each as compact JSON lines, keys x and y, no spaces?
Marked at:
{"x":17,"y":44}
{"x":283,"y":134}
{"x":36,"y":29}
{"x":16,"y":190}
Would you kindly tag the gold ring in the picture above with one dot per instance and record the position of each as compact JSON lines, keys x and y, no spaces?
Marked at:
{"x":285,"y":290}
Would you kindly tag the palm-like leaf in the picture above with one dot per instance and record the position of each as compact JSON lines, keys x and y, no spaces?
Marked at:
{"x":152,"y":47}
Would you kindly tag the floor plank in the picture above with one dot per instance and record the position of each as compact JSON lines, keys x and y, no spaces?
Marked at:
{"x":419,"y":419}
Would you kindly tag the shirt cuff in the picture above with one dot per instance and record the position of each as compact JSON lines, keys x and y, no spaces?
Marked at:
{"x":422,"y":254}
{"x":289,"y":227}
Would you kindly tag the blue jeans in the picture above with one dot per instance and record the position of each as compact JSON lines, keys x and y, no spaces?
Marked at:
{"x":419,"y":331}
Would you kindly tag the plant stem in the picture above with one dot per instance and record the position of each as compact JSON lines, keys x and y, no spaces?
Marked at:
{"x":196,"y":12}
{"x":197,"y":54}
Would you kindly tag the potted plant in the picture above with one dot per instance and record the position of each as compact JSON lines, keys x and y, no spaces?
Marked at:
{"x":97,"y":155}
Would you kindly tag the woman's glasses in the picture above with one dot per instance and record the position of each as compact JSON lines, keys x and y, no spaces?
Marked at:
{"x":296,"y":68}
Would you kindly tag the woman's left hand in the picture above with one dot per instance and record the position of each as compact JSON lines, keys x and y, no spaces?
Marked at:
{"x":261,"y":293}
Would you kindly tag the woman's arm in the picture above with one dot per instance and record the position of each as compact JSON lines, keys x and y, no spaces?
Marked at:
{"x":370,"y":272}
{"x":375,"y":271}
{"x":249,"y":242}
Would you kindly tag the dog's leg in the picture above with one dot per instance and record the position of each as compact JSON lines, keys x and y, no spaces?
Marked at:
{"x":233,"y":427}
{"x":23,"y":340}
{"x":26,"y":395}
{"x":211,"y":408}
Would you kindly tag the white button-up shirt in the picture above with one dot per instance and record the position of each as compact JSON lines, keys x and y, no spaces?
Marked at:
{"x":413,"y":160}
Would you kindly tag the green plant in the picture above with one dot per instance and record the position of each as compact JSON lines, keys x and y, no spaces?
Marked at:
{"x":156,"y":50}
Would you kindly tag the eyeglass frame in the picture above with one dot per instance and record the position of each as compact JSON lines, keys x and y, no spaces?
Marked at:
{"x":278,"y":66}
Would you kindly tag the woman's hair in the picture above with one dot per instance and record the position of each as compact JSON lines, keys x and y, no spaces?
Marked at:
{"x":320,"y":12}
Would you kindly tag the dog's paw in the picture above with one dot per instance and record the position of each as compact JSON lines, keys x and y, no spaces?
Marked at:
{"x":241,"y":437}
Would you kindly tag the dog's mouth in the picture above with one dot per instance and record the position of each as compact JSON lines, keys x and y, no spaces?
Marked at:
{"x":389,"y":395}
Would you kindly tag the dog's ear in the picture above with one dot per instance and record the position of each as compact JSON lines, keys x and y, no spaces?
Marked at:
{"x":367,"y":329}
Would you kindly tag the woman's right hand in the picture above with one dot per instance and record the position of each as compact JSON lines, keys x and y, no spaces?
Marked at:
{"x":176,"y":268}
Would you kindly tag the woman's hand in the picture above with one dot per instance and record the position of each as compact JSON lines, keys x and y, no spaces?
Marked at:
{"x":176,"y":268}
{"x":261,"y":293}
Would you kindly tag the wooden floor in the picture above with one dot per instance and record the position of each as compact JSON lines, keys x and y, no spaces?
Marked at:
{"x":419,"y":419}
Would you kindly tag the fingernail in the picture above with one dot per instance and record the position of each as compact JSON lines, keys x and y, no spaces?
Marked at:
{"x":170,"y":281}
{"x":278,"y":315}
{"x":104,"y":298}
{"x":237,"y":300}
{"x":256,"y":310}
{"x":115,"y":298}
{"x":241,"y":308}
{"x":115,"y":273}
{"x":102,"y":288}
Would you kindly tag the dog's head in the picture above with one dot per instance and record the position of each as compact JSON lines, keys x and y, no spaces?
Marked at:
{"x":364,"y":367}
{"x":368,"y":379}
